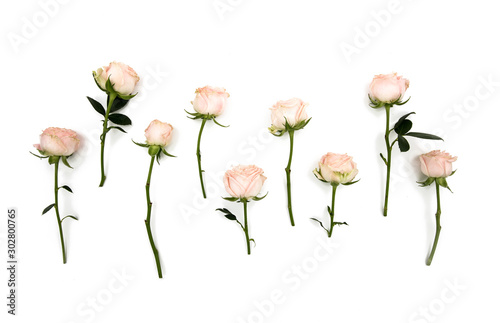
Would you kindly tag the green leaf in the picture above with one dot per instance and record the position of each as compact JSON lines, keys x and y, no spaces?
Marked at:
{"x":255,"y":198}
{"x":97,"y":106}
{"x":403,"y":144}
{"x":117,"y":128}
{"x":140,"y":145}
{"x":69,"y":216}
{"x":65,"y":161}
{"x":47,"y":209}
{"x":403,"y":127}
{"x":120,"y":119}
{"x":231,"y":199}
{"x":67,"y":188}
{"x":118,"y":104}
{"x":320,"y":223}
{"x":422,"y":135}
{"x":403,"y":118}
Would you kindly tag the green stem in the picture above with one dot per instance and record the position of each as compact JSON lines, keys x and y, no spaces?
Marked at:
{"x":148,"y":220}
{"x":112,"y":97}
{"x":332,"y":210}
{"x":56,"y":207}
{"x":438,"y":226}
{"x":198,"y":155}
{"x":389,"y":157}
{"x":288,"y":170}
{"x":245,"y":227}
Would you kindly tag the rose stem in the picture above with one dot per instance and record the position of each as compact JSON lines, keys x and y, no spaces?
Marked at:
{"x":332,"y":210}
{"x":148,"y":220}
{"x":288,"y":170}
{"x":246,"y":224}
{"x":438,"y":226}
{"x":111,"y":99}
{"x":198,"y":155}
{"x":56,"y":207}
{"x":389,"y":154}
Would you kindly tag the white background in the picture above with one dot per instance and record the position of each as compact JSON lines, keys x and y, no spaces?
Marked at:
{"x":261,"y":52}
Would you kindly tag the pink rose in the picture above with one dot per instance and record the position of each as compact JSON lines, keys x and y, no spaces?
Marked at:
{"x":158,"y":133}
{"x":210,"y":100}
{"x":292,"y":111}
{"x":244,"y":181}
{"x":436,"y":164}
{"x":388,"y":88}
{"x":122,"y":77}
{"x":336,"y":168}
{"x":58,"y":142}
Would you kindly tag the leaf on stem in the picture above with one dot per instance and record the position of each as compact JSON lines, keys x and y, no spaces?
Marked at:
{"x":65,"y":161}
{"x":215,"y":121}
{"x":117,"y":128}
{"x":47,"y":209}
{"x":231,"y":199}
{"x":422,"y":135}
{"x":67,"y":188}
{"x":320,"y":223}
{"x":120,"y":119}
{"x":69,"y":216}
{"x":118,"y":104}
{"x":403,"y":144}
{"x":403,"y":127}
{"x":97,"y":106}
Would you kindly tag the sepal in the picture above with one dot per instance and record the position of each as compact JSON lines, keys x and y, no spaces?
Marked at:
{"x":231,"y":199}
{"x":350,"y":183}
{"x":139,"y":144}
{"x":53,"y":159}
{"x":441,"y":181}
{"x":154,"y":150}
{"x":256,"y":198}
{"x":427,"y":182}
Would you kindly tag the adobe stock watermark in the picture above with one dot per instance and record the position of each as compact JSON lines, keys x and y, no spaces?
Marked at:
{"x":214,"y":187}
{"x":293,"y":278}
{"x":455,"y":117}
{"x":222,"y":7}
{"x":152,"y":78}
{"x":364,"y":35}
{"x":89,"y":309}
{"x":31,"y":25}
{"x":440,"y":304}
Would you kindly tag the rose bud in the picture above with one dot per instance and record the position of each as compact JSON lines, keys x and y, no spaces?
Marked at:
{"x":292,"y":111}
{"x":158,"y":133}
{"x":436,"y":164}
{"x":336,"y":169}
{"x":58,"y":142}
{"x":210,"y":100}
{"x":388,"y":88}
{"x":244,"y":181}
{"x":123,"y":78}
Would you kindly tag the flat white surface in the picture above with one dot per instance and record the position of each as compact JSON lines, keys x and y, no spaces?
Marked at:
{"x":261,"y":52}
